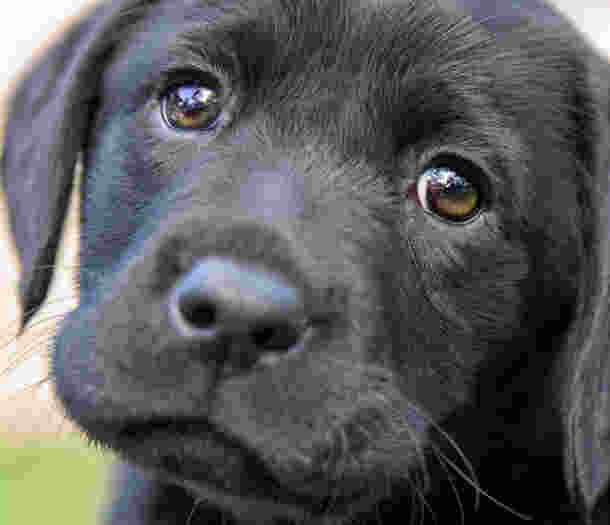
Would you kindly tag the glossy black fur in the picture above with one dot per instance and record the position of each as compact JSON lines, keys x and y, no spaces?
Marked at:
{"x":460,"y":371}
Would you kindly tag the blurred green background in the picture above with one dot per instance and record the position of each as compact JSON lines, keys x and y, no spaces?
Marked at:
{"x":50,"y":481}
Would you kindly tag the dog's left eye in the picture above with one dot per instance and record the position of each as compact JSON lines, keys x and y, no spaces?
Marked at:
{"x":192,"y":106}
{"x":450,"y":188}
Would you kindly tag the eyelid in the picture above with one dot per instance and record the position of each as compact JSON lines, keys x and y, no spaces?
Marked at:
{"x":172,"y":78}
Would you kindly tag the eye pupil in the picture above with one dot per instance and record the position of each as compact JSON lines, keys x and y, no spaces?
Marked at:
{"x":446,"y":190}
{"x":192,"y":107}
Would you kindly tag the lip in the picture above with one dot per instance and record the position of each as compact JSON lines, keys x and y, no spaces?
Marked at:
{"x":194,"y":449}
{"x":196,"y":453}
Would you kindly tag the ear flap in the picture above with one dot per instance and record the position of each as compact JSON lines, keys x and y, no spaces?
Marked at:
{"x":588,"y":365}
{"x":46,"y":129}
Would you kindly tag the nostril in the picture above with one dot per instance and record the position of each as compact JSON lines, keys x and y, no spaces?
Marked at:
{"x":237,"y":312}
{"x":280,"y":336}
{"x":198,"y":312}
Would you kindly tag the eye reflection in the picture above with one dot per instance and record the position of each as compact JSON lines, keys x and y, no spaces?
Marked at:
{"x":447,"y":192}
{"x":192,"y":107}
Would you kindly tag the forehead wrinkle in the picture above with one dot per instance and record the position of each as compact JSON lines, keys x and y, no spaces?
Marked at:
{"x":310,"y":35}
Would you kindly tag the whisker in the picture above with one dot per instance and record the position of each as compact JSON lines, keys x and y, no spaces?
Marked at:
{"x":422,"y":502}
{"x":13,"y":324}
{"x":454,"y":489}
{"x":483,"y":492}
{"x":472,"y":477}
{"x":27,"y":388}
{"x":196,"y":504}
{"x":39,"y":345}
{"x":34,"y":342}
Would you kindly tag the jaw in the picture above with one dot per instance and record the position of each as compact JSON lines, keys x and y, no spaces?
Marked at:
{"x":224,"y":471}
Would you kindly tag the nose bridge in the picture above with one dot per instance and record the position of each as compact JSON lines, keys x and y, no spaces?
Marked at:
{"x":248,"y":265}
{"x":273,"y":193}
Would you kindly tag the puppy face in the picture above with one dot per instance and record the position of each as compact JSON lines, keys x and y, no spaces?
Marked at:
{"x":331,"y":251}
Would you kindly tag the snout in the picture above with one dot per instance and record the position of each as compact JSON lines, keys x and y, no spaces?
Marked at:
{"x":236,"y":329}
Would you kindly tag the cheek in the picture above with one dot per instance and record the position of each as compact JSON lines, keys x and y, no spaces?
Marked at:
{"x":473,"y":277}
{"x":119,"y":188}
{"x":459,"y":305}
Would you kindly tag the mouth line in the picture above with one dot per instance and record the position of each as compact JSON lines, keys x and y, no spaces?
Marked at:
{"x":135,"y":430}
{"x":193,"y":449}
{"x":196,"y":451}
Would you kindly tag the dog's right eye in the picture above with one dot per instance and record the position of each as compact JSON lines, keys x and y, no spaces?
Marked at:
{"x":193,"y":106}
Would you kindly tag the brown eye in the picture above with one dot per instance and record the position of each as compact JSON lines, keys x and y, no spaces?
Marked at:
{"x":194,"y":106}
{"x":450,"y":189}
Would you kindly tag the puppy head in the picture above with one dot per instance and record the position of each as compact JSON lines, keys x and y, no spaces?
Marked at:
{"x":422,"y":196}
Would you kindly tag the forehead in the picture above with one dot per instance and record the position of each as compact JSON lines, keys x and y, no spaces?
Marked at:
{"x":401,"y":29}
{"x":302,"y":28}
{"x":331,"y":41}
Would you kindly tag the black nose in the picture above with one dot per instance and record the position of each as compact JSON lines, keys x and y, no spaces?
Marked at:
{"x":244,"y":309}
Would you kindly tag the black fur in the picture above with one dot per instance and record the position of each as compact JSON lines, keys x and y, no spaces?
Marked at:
{"x":452,"y":371}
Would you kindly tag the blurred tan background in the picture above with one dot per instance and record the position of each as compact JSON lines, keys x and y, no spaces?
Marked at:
{"x":26,"y":401}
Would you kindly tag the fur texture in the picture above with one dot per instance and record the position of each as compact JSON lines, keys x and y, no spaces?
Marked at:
{"x":448,"y":370}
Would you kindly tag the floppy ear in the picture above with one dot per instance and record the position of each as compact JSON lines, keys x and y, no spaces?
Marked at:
{"x":46,"y":129}
{"x":588,"y":364}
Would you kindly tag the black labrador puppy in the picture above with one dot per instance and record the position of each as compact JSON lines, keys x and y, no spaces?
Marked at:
{"x":342,"y":261}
